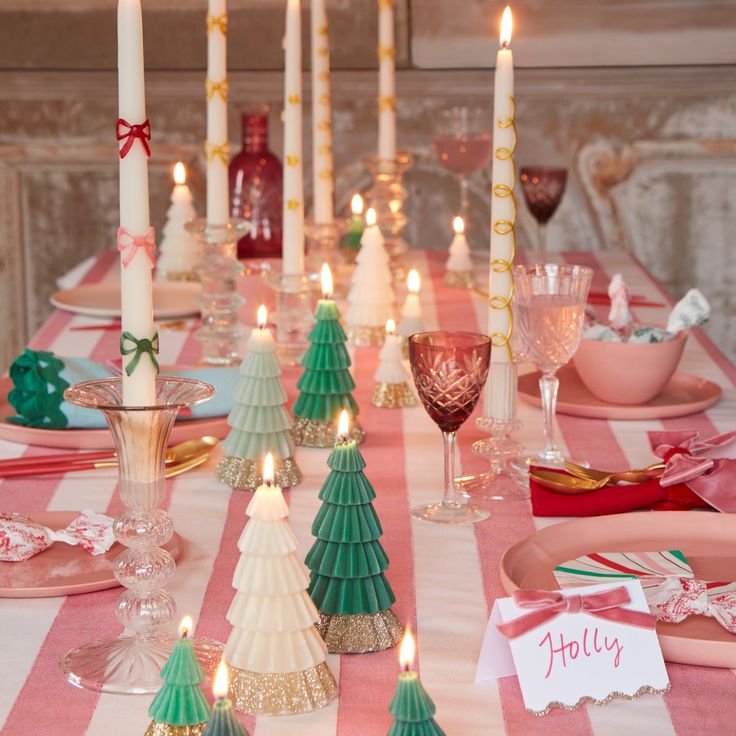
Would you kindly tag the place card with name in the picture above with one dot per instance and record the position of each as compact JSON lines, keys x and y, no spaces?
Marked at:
{"x":582,"y":645}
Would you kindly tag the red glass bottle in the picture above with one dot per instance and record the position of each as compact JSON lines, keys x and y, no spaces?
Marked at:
{"x":256,"y":177}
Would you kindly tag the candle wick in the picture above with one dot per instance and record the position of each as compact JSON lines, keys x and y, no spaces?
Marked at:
{"x":407,"y":668}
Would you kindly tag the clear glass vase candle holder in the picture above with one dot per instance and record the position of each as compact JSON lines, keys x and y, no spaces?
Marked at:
{"x":293,"y":316}
{"x":323,"y":240}
{"x":218,"y":270}
{"x":387,"y":195}
{"x":131,"y":663}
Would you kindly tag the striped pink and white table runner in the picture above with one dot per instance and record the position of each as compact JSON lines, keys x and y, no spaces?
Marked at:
{"x":445,"y":579}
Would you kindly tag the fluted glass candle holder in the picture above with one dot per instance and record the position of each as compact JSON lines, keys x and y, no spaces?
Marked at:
{"x":131,"y":663}
{"x":386,"y":195}
{"x":323,"y":240}
{"x":219,"y":301}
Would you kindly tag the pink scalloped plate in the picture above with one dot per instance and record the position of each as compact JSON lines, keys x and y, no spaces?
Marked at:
{"x":707,"y":539}
{"x":94,"y":439}
{"x":62,"y":569}
{"x":684,"y":394}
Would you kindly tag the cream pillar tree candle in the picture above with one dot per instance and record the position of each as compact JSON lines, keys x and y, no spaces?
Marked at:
{"x":459,"y":266}
{"x":503,"y":221}
{"x":386,"y":81}
{"x":217,"y":147}
{"x":323,"y":181}
{"x":136,"y":238}
{"x":293,"y":206}
{"x":392,"y":390}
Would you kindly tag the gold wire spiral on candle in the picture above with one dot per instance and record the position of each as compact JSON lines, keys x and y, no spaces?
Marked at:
{"x":505,"y":227}
{"x":217,"y":21}
{"x":222,"y":88}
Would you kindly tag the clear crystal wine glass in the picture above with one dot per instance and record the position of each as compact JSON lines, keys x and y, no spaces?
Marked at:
{"x":550,"y":304}
{"x":543,"y":187}
{"x":463,"y":143}
{"x":450,"y":370}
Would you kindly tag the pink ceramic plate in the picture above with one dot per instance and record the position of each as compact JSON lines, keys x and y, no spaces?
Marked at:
{"x":62,"y":569}
{"x":707,"y":539}
{"x":684,"y":394}
{"x":94,"y":439}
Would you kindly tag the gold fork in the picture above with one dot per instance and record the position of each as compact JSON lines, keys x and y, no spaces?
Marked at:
{"x":638,"y":475}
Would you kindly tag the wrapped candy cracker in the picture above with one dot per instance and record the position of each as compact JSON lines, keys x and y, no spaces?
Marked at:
{"x":648,"y":333}
{"x":602,"y":332}
{"x":619,"y":315}
{"x":22,"y":538}
{"x":692,"y":310}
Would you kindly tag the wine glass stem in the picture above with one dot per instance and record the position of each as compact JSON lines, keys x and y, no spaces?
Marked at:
{"x":548,"y":385}
{"x":464,"y":198}
{"x":542,"y":239}
{"x":451,"y":497}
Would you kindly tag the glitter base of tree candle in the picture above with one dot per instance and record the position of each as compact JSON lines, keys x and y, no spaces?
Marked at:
{"x":219,"y":300}
{"x":131,"y":663}
{"x":393,"y":396}
{"x":245,"y":475}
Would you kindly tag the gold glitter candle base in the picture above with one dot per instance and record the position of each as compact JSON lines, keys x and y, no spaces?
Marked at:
{"x":156,"y":728}
{"x":393,"y":395}
{"x":246,"y":475}
{"x":364,"y":337}
{"x":322,"y":432}
{"x":459,"y":279}
{"x":281,"y":693}
{"x":360,"y":633}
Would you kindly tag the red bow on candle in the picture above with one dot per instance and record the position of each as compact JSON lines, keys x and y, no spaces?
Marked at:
{"x":705,"y":466}
{"x":547,"y":604}
{"x":128,"y":245}
{"x":127,"y":132}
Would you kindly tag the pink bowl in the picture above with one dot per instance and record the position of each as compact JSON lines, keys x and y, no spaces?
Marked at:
{"x":626,"y":373}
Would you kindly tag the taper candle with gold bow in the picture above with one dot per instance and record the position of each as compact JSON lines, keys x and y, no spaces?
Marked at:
{"x":386,"y":81}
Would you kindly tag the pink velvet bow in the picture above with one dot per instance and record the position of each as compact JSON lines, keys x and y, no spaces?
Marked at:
{"x":678,"y":598}
{"x":128,"y":245}
{"x":547,"y":604}
{"x":691,"y":461}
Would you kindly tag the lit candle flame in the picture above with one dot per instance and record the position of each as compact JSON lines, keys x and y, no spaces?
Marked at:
{"x":185,"y":627}
{"x":180,"y":173}
{"x":262,"y":318}
{"x":458,"y":225}
{"x":394,"y":205}
{"x":268,"y":470}
{"x":356,"y":204}
{"x":390,"y":327}
{"x":370,"y":217}
{"x":406,"y":653}
{"x":326,"y":281}
{"x":506,"y":25}
{"x":413,"y":281}
{"x":343,"y":425}
{"x":221,"y":685}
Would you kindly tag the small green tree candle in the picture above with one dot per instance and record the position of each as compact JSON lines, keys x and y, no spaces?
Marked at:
{"x":180,"y":707}
{"x":347,"y":562}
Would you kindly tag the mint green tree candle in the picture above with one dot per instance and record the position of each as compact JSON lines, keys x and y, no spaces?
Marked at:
{"x":180,"y":707}
{"x":326,"y":386}
{"x":223,"y":719}
{"x":411,"y":707}
{"x":347,"y":562}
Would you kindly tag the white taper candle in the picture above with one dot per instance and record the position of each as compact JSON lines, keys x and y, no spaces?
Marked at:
{"x":386,"y":81}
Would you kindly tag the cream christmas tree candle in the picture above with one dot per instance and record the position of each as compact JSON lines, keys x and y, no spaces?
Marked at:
{"x":393,"y":389}
{"x":459,"y":266}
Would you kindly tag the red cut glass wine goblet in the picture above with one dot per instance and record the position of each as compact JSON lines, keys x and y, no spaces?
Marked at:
{"x":543,"y":187}
{"x":450,"y":370}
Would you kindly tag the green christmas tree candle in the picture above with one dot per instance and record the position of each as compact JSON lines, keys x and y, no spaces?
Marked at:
{"x":411,"y":707}
{"x":223,"y":719}
{"x":353,"y":235}
{"x":347,"y":562}
{"x":326,"y":386}
{"x":180,"y":707}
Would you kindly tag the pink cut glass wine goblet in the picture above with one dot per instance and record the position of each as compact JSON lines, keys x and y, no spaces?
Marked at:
{"x":543,"y":187}
{"x":450,"y":370}
{"x":550,"y":304}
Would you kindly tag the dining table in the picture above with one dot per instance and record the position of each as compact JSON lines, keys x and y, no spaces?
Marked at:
{"x":445,"y":577}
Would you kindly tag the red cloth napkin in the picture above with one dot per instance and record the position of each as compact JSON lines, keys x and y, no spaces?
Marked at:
{"x":614,"y":499}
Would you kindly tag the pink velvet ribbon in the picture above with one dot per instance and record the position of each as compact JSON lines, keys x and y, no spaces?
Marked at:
{"x":548,"y":604}
{"x":128,"y":132}
{"x":708,"y":467}
{"x":678,"y":598}
{"x":129,"y":244}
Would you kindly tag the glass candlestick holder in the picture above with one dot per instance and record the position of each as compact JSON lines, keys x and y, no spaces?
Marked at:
{"x":502,"y":481}
{"x":131,"y":663}
{"x":219,"y":301}
{"x":293,"y":316}
{"x":386,"y":195}
{"x":323,"y":240}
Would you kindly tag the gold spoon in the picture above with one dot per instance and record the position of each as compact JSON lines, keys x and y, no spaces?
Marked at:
{"x":639,"y":475}
{"x":566,"y":484}
{"x":182,"y":467}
